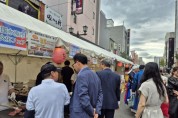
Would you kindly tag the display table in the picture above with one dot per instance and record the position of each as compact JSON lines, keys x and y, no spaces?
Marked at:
{"x":4,"y":114}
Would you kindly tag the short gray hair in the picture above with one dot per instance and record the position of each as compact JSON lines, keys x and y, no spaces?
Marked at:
{"x":106,"y":62}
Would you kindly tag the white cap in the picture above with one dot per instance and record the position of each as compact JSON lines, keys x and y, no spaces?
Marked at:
{"x":135,"y":67}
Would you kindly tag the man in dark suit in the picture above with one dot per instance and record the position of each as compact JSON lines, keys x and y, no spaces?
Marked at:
{"x":110,"y":83}
{"x":67,"y":73}
{"x":87,"y":98}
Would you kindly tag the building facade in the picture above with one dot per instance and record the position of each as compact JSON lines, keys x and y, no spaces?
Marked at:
{"x":113,"y":38}
{"x":141,"y":62}
{"x":103,"y":32}
{"x":176,"y":27}
{"x":72,"y":18}
{"x":169,"y":49}
{"x":157,"y":60}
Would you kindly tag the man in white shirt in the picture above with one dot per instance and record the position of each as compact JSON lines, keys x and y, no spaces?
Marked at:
{"x":5,"y":89}
{"x":47,"y":100}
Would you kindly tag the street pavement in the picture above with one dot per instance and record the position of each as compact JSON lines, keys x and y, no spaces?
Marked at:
{"x":124,"y":111}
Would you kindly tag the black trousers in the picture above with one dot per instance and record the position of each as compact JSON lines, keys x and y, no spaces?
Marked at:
{"x":107,"y":113}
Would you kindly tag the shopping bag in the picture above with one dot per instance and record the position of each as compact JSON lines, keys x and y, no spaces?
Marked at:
{"x":131,"y":100}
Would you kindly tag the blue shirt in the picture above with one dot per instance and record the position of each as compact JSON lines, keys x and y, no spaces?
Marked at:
{"x":136,"y":82}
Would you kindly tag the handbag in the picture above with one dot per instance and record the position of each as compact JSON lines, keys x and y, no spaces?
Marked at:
{"x":131,"y":100}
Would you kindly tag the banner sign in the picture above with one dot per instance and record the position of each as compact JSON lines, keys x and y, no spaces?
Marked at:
{"x":94,"y":61}
{"x":73,"y":50}
{"x":12,"y":36}
{"x":79,"y":6}
{"x":53,"y":18}
{"x":40,"y":45}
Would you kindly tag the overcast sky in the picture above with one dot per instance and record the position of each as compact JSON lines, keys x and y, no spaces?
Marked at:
{"x":149,"y":21}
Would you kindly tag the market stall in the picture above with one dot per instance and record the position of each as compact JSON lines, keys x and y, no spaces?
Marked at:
{"x":27,"y":43}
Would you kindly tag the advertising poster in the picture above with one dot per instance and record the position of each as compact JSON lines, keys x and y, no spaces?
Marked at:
{"x":12,"y":36}
{"x":73,"y":50}
{"x":40,"y":45}
{"x":25,"y":7}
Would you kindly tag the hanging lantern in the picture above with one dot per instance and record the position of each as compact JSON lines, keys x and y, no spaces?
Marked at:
{"x":59,"y":55}
{"x":119,"y":64}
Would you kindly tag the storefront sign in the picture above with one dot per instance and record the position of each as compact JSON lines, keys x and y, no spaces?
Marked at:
{"x":36,"y":2}
{"x":53,"y":18}
{"x":94,"y":61}
{"x":26,"y":7}
{"x":40,"y":45}
{"x":79,"y":6}
{"x":12,"y":36}
{"x":73,"y":50}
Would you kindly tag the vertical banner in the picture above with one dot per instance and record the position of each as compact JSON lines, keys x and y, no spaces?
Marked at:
{"x":73,"y":50}
{"x":79,"y":6}
{"x":40,"y":45}
{"x":12,"y":36}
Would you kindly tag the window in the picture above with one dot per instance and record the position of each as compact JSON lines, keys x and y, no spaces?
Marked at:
{"x":75,"y":18}
{"x":93,"y":31}
{"x":94,"y":1}
{"x":93,"y":15}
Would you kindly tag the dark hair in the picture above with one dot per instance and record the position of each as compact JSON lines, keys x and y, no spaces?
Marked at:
{"x":152,"y":71}
{"x":81,"y":58}
{"x":106,"y":62}
{"x":141,"y":67}
{"x":1,"y":64}
{"x":160,"y":70}
{"x":46,"y":70}
{"x":67,"y":62}
{"x":173,"y":70}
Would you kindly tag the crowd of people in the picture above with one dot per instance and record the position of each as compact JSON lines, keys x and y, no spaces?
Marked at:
{"x":150,"y":94}
{"x":89,"y":99}
{"x":90,"y":94}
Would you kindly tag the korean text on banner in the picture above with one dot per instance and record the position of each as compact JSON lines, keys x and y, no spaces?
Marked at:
{"x":79,"y":6}
{"x":12,"y":36}
{"x":40,"y":45}
{"x":73,"y":50}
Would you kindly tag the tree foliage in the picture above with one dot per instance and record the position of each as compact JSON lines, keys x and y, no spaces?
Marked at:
{"x":162,"y":63}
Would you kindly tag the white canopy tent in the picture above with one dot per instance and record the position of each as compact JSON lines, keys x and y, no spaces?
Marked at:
{"x":11,"y":15}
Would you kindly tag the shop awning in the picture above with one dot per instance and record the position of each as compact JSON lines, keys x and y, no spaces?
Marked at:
{"x":12,"y":15}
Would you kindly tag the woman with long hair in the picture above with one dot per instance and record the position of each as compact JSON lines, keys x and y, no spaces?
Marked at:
{"x":173,"y":93}
{"x":152,"y":93}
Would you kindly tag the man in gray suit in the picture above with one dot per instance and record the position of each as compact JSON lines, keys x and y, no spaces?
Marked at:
{"x":110,"y":83}
{"x":87,"y":98}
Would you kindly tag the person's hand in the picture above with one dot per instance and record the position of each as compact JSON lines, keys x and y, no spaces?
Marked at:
{"x":96,"y":116}
{"x":118,"y":105}
{"x":175,"y":92}
{"x":13,"y":96}
{"x":136,"y":116}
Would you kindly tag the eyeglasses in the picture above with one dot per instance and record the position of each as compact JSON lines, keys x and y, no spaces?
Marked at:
{"x":74,"y":63}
